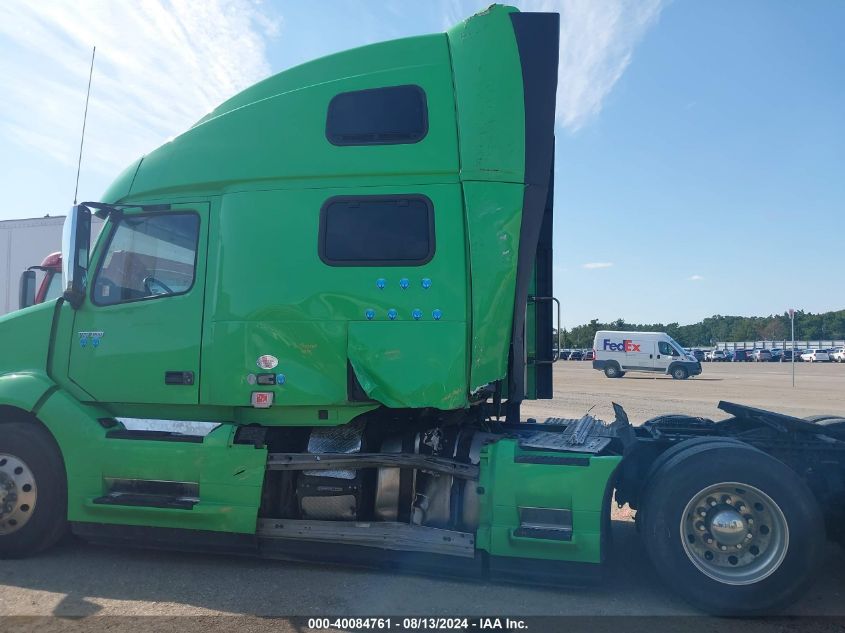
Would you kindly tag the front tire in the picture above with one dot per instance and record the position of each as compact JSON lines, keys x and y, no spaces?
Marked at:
{"x":33,"y":489}
{"x":680,"y":373}
{"x":732,"y":530}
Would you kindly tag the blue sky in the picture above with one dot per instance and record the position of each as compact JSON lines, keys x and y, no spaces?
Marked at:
{"x":700,"y":145}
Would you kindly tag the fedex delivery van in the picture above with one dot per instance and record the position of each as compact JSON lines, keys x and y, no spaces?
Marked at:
{"x":619,"y":352}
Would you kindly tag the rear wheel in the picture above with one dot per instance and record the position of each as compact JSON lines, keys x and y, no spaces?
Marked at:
{"x":834,"y":424}
{"x":680,"y":373}
{"x":613,"y":371}
{"x":33,"y":491}
{"x":732,"y":529}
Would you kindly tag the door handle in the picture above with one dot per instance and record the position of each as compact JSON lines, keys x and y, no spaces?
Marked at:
{"x":652,"y":356}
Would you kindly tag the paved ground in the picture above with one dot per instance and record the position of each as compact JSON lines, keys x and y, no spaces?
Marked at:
{"x":819,"y":388}
{"x":76,"y":579}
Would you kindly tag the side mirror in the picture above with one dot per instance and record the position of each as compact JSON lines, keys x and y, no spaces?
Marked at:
{"x":26,"y":291}
{"x":76,"y":243}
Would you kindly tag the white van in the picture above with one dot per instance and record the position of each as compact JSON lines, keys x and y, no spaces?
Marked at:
{"x":619,"y":352}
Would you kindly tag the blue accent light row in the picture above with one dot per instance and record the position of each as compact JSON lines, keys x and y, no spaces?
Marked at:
{"x":404,"y":283}
{"x":393,"y":314}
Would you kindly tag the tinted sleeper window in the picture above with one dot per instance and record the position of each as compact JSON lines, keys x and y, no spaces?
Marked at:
{"x":377,"y":230}
{"x":380,"y":116}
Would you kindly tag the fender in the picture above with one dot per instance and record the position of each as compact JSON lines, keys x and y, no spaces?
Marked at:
{"x":25,"y":390}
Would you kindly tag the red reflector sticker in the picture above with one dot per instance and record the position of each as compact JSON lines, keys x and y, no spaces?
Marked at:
{"x":262,"y":399}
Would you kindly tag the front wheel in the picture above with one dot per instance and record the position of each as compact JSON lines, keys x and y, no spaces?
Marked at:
{"x":680,"y":373}
{"x":732,"y":529}
{"x":33,"y":490}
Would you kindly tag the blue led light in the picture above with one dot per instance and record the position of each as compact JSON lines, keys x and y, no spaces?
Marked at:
{"x":404,"y":283}
{"x":426,"y":283}
{"x":381,"y":283}
{"x":280,"y":379}
{"x":436,"y":315}
{"x":417,"y":314}
{"x":370,"y":314}
{"x":392,"y":314}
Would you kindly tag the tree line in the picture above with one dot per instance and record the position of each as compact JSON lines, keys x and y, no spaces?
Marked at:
{"x":808,"y":326}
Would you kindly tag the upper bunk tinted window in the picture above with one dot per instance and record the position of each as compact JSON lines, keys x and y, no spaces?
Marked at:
{"x":380,"y":116}
{"x":377,"y":231}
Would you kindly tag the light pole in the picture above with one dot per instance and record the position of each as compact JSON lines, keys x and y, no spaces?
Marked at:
{"x":792,"y":324}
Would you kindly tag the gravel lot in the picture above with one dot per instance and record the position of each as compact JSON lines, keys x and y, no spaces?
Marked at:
{"x":77,"y":579}
{"x":819,"y":388}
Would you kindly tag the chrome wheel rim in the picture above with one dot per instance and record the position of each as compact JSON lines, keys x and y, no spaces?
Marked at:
{"x":18,"y":494}
{"x":734,"y":533}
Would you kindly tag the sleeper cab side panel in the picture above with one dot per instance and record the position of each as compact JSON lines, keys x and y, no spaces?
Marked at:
{"x":494,"y":215}
{"x":489,"y":97}
{"x":269,"y":293}
{"x":229,"y":475}
{"x":509,"y":485}
{"x":276,"y":131}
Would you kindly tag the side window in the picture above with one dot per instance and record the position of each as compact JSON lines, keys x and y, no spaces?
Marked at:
{"x":148,"y":256}
{"x":664,"y":348}
{"x":54,"y":289}
{"x":380,"y":116}
{"x":377,"y":231}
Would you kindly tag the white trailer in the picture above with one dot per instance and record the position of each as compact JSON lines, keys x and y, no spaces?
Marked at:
{"x":24,"y":243}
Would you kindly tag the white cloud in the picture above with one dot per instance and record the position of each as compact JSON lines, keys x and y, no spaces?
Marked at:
{"x":595,"y":265}
{"x":695,"y":278}
{"x":597,"y":41}
{"x":160,"y":66}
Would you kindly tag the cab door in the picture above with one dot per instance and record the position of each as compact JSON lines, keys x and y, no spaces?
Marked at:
{"x":666,"y":353}
{"x":137,"y":334}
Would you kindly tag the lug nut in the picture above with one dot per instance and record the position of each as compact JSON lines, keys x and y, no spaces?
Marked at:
{"x":724,"y":548}
{"x":739,"y":545}
{"x":749,"y":536}
{"x":699,"y":526}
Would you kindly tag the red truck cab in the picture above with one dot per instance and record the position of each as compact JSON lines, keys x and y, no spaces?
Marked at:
{"x":50,"y":286}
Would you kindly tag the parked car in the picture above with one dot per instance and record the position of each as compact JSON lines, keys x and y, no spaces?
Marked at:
{"x":777,"y":353}
{"x":740,"y":356}
{"x":576,"y":354}
{"x":589,"y":355}
{"x":838,"y":355}
{"x":699,"y":354}
{"x":716,"y":356}
{"x":761,"y":356}
{"x":815,"y":356}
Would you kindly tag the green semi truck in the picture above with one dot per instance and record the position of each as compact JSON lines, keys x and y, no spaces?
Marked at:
{"x":345,"y":273}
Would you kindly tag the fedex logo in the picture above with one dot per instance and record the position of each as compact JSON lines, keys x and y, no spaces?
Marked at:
{"x":625,"y":346}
